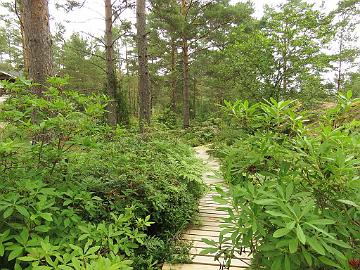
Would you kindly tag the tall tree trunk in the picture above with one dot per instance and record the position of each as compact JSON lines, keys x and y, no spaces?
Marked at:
{"x":284,"y":76}
{"x":173,"y":75}
{"x":128,"y":78}
{"x":19,"y":10}
{"x":25,"y":52}
{"x":339,"y":75}
{"x":284,"y":66}
{"x":143,"y":87}
{"x":284,"y":79}
{"x":37,"y":40}
{"x":194,"y":99}
{"x":111,"y":84}
{"x":185,"y":54}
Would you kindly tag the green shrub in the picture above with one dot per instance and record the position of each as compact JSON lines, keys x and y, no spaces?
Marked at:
{"x":201,"y":133}
{"x":77,"y":194}
{"x":43,"y":226}
{"x":168,"y":118}
{"x":294,"y":188}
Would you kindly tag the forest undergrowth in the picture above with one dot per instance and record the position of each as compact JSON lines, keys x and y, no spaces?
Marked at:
{"x":294,"y":185}
{"x":77,"y":194}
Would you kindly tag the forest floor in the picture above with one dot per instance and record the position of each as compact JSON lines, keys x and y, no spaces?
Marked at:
{"x":210,"y":219}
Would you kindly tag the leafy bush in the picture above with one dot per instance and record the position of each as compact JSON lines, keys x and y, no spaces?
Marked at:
{"x":294,"y":188}
{"x":168,"y":118}
{"x":77,"y":194}
{"x":44,"y":226}
{"x":201,"y":133}
{"x":155,"y":175}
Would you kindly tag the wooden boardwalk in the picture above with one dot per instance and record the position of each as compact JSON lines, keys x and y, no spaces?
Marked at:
{"x":210,"y":220}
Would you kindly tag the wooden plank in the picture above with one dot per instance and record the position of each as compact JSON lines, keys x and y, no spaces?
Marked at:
{"x":211,"y":200}
{"x":207,"y":200}
{"x":208,"y":228}
{"x":198,"y":237}
{"x":214,"y":207}
{"x":210,"y":195}
{"x":214,"y":214}
{"x":196,"y":267}
{"x":189,"y":267}
{"x":201,"y":245}
{"x":211,"y":192}
{"x":210,"y":260}
{"x":203,"y":232}
{"x":213,"y":204}
{"x":213,"y":211}
{"x":203,"y":219}
{"x":208,"y":179}
{"x":208,"y":218}
{"x":212,"y":221}
{"x":191,"y":237}
{"x":244,"y":256}
{"x":212,"y":181}
{"x":218,"y":216}
{"x":213,"y":176}
{"x":211,"y":224}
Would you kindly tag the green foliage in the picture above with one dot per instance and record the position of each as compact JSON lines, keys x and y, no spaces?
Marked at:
{"x":83,"y":64}
{"x":168,"y":118}
{"x":353,"y":84}
{"x":10,"y":41}
{"x":42,"y":226}
{"x":293,"y":187}
{"x":77,"y":194}
{"x":202,"y":132}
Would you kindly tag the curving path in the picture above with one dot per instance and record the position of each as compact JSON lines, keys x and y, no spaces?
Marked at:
{"x":210,"y":220}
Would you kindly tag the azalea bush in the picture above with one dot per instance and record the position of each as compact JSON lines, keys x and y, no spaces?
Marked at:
{"x":294,"y":187}
{"x":78,"y":194}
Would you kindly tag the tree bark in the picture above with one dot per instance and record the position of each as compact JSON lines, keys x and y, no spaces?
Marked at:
{"x":285,"y":69}
{"x":37,"y":42}
{"x":339,"y":75}
{"x":111,"y":85}
{"x":19,"y":10}
{"x":173,"y":75}
{"x":143,"y":86}
{"x":284,"y":78}
{"x":185,"y":55}
{"x":25,"y":50}
{"x":194,"y":99}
